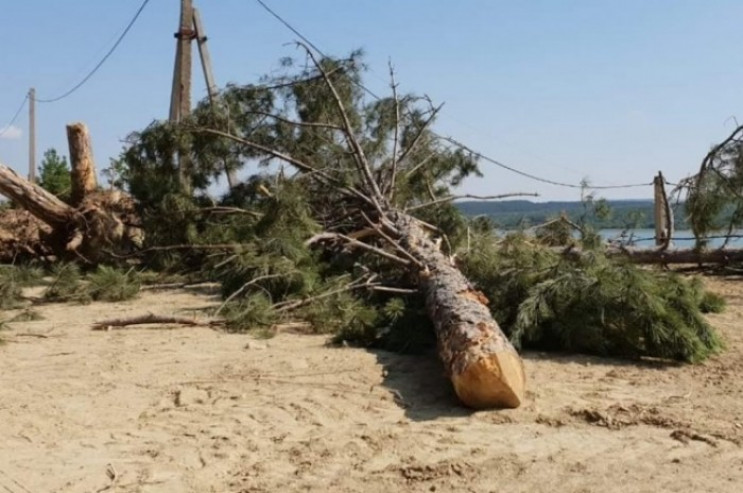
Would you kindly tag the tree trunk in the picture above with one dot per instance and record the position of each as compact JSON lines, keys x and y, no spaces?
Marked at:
{"x":83,"y":173}
{"x":664,"y":257}
{"x":103,"y":220}
{"x":484,"y":367}
{"x":34,"y":199}
{"x":690,"y":256}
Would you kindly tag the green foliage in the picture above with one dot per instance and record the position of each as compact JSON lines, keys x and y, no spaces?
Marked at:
{"x":54,"y":174}
{"x":110,"y":284}
{"x":715,"y":195}
{"x":516,"y":214}
{"x":104,"y":284}
{"x":269,"y":274}
{"x":590,"y":303}
{"x":27,"y":274}
{"x":11,"y":293}
{"x":250,"y":312}
{"x":66,"y":285}
{"x":712,"y":303}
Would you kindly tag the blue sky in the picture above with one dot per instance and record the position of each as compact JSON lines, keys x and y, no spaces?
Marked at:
{"x":612,"y":91}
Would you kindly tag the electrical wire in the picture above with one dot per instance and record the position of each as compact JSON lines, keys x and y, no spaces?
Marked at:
{"x":451,"y":140}
{"x":290,"y":27}
{"x":6,"y":128}
{"x":537,"y":178}
{"x":100,"y":63}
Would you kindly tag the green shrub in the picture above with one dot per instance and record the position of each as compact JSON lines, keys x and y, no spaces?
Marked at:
{"x":109,"y":284}
{"x":66,"y":285}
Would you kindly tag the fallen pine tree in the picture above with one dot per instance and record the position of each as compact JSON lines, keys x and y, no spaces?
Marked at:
{"x":355,"y":234}
{"x":352,"y":230}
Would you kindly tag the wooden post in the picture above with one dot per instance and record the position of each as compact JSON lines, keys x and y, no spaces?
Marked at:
{"x":180,"y":100}
{"x":211,"y":85}
{"x":206,"y":60}
{"x":32,"y":135}
{"x":83,"y":172}
{"x":663,"y":216}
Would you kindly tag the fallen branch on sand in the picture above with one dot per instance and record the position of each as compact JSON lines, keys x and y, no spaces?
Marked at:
{"x":151,"y":318}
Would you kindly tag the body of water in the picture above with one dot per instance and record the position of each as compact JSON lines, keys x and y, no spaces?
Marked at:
{"x":645,"y":238}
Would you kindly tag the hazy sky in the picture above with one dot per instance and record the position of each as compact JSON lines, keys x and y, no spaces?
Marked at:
{"x":612,"y":91}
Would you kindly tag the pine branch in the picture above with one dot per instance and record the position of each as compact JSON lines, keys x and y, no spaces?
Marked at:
{"x":392,"y":242}
{"x":288,"y":121}
{"x":327,"y":236}
{"x":293,"y":305}
{"x":244,"y":287}
{"x":420,"y":134}
{"x":375,"y":194}
{"x":304,"y":167}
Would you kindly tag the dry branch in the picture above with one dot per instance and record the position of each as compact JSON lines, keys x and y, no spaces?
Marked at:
{"x":452,"y":198}
{"x":152,"y":319}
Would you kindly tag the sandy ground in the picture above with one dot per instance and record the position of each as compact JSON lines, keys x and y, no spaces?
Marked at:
{"x":195,"y":410}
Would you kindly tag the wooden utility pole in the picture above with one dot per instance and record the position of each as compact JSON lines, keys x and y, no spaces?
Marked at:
{"x":180,"y":101}
{"x":32,"y":135}
{"x":211,"y":85}
{"x":206,"y":60}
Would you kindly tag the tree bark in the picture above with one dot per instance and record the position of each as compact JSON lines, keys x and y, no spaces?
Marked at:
{"x":34,"y":199}
{"x":102,"y":220}
{"x":642,"y":256}
{"x":83,"y":173}
{"x":483,"y":366}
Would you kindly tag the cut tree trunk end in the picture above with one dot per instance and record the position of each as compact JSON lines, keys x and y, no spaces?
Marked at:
{"x":83,"y":173}
{"x":484,"y":367}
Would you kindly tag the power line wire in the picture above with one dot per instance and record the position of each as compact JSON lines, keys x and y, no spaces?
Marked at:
{"x":534,"y":177}
{"x":449,"y":139}
{"x":290,"y":27}
{"x":103,"y":60}
{"x":6,"y":128}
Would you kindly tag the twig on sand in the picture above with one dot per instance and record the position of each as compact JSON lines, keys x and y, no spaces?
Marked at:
{"x":151,"y":318}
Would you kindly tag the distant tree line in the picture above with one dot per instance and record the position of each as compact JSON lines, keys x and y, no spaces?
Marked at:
{"x":611,"y":214}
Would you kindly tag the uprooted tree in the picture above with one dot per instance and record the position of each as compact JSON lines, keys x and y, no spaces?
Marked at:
{"x":92,"y":223}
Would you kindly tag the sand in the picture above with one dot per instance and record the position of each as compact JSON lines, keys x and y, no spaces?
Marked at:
{"x":183,"y":409}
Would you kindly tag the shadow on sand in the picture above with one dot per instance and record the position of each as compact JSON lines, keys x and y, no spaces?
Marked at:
{"x":421,"y":387}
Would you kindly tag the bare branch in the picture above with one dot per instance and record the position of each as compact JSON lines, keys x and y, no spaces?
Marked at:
{"x":278,"y":155}
{"x":362,"y":163}
{"x":396,"y":141}
{"x":388,"y":289}
{"x":360,"y":244}
{"x":304,"y":167}
{"x":243,"y":288}
{"x":293,"y":305}
{"x":230,"y":210}
{"x":420,"y":134}
{"x":392,"y":242}
{"x":451,"y":198}
{"x":297,"y":123}
{"x":151,"y":318}
{"x":418,"y":166}
{"x":712,"y":153}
